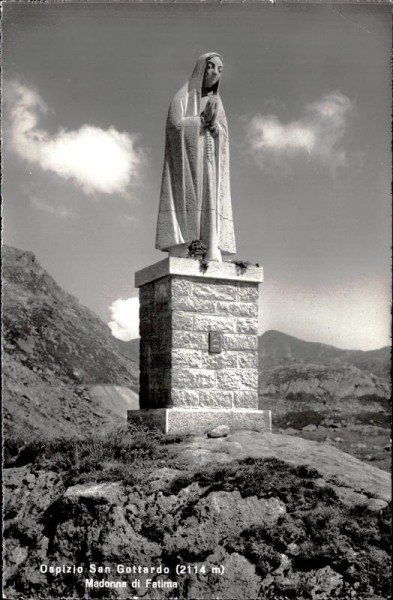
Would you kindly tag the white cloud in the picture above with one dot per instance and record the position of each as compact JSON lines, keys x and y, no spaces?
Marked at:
{"x":94,"y":159}
{"x":125,"y":319}
{"x":317,"y":134}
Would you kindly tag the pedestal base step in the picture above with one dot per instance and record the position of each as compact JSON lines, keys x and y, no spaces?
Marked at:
{"x":199,"y":421}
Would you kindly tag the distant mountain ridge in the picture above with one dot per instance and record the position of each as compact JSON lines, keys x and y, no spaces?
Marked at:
{"x":54,"y":350}
{"x":297,"y":370}
{"x":276,"y":346}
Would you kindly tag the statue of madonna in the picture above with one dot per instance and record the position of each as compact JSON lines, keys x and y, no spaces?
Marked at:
{"x":195,"y":202}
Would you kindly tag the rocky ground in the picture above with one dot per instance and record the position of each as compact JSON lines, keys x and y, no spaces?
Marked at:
{"x":245,"y":516}
{"x":369,"y":443}
{"x":326,"y":394}
{"x":362,"y":429}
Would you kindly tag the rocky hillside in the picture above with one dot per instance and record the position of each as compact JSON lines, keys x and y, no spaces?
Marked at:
{"x":294,"y":369}
{"x":306,"y":381}
{"x":276,"y":346}
{"x":246,"y":516}
{"x":56,"y":352}
{"x":130,"y":349}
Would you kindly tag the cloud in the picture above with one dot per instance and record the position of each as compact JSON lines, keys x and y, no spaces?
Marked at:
{"x":125,"y":219}
{"x":94,"y":159}
{"x":61,"y":212}
{"x":316,"y":135}
{"x":125,"y":319}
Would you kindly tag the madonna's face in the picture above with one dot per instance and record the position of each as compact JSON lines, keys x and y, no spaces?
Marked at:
{"x":213,"y":72}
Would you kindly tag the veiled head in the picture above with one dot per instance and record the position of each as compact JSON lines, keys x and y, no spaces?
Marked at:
{"x":207,"y":72}
{"x":213,"y":70}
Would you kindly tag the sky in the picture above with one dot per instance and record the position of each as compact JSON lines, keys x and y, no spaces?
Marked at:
{"x":306,"y":90}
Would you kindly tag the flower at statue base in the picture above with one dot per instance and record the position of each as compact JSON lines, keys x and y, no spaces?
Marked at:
{"x":197,"y":249}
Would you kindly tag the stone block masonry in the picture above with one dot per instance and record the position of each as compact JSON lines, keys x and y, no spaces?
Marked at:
{"x":180,"y":305}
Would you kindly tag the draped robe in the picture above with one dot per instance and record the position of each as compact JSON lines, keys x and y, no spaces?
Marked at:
{"x":188,"y":193}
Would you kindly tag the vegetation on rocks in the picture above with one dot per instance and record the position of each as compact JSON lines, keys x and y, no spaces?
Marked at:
{"x":118,"y":455}
{"x":278,"y":530}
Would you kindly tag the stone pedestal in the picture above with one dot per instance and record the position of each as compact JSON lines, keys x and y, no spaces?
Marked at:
{"x":199,"y":346}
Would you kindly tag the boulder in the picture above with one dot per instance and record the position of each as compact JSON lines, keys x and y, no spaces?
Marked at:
{"x":310,"y":427}
{"x":217,"y":432}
